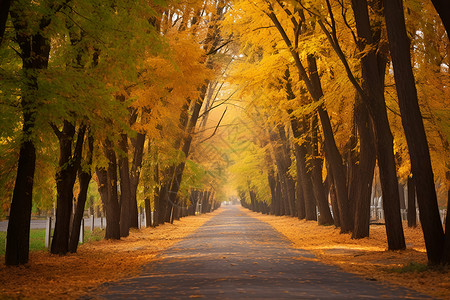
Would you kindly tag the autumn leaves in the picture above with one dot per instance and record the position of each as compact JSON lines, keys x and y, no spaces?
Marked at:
{"x":326,"y":64}
{"x":100,"y":96}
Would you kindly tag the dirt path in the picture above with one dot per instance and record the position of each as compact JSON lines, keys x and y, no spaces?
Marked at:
{"x":235,"y":256}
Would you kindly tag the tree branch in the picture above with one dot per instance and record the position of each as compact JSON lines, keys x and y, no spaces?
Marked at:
{"x":57,"y":132}
{"x":217,"y":126}
{"x":212,"y":51}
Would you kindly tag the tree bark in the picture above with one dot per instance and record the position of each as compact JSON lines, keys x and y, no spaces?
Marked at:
{"x":18,"y":235}
{"x":333,"y":201}
{"x":412,"y":216}
{"x":84,"y":177}
{"x":304,"y":195}
{"x":300,"y":201}
{"x":286,"y":158}
{"x":364,"y":177}
{"x":274,"y":209}
{"x":125,"y":187}
{"x":282,"y":162}
{"x":325,"y":217}
{"x":282,"y":207}
{"x":373,"y":97}
{"x":65,"y":180}
{"x":108,"y":191}
{"x":331,"y":151}
{"x":414,"y":130}
{"x":35,"y":51}
{"x":306,"y":184}
{"x":135,"y":172}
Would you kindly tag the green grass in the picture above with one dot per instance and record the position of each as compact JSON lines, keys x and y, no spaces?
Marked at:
{"x":410,"y":268}
{"x":37,"y":238}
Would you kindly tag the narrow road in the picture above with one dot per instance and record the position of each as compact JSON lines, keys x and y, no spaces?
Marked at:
{"x":235,"y":256}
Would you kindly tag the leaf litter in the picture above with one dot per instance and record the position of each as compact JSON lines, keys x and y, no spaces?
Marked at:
{"x":74,"y":275}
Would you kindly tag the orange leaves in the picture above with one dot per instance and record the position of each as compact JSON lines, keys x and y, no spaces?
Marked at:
{"x":170,"y":79}
{"x":56,"y":277}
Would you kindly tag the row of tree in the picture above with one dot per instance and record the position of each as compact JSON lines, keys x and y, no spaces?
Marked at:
{"x":327,"y":84}
{"x":110,"y":91}
{"x":123,"y":93}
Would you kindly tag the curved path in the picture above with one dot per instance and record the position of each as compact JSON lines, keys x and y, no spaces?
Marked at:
{"x":235,"y":256}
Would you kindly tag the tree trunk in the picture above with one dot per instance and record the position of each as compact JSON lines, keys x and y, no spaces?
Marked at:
{"x":333,"y":200}
{"x":274,"y":209}
{"x":18,"y":235}
{"x":138,"y":144}
{"x":414,"y":130}
{"x":300,"y":201}
{"x":65,"y":180}
{"x":303,"y":191}
{"x":282,"y":162}
{"x":364,"y":178}
{"x":108,"y":192}
{"x":286,"y":157}
{"x":84,"y":177}
{"x":280,"y":196}
{"x":373,"y":97}
{"x":35,"y":51}
{"x":352,"y":167}
{"x":125,"y":188}
{"x":306,"y":184}
{"x":331,"y":151}
{"x":325,"y":217}
{"x":412,"y":216}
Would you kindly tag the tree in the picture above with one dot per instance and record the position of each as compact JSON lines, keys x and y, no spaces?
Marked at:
{"x":35,"y":50}
{"x":69,"y":163}
{"x":414,"y":131}
{"x":373,"y":96}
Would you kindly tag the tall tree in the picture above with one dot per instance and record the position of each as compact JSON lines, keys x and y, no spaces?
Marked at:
{"x":69,"y":163}
{"x":414,"y":131}
{"x":314,"y":87}
{"x":35,"y":50}
{"x":373,"y":97}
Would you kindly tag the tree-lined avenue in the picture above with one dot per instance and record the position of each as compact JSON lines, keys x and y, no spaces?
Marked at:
{"x":235,"y":256}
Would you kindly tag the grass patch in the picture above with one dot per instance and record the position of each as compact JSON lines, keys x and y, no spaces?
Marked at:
{"x":412,"y":267}
{"x":37,"y":238}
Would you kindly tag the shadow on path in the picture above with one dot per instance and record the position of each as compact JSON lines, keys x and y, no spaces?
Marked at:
{"x":235,"y":256}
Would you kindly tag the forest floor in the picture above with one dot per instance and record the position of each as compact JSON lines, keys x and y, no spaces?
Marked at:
{"x":367,"y":257}
{"x":74,"y":275}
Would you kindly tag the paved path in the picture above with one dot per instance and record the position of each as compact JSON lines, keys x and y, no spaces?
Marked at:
{"x":235,"y":256}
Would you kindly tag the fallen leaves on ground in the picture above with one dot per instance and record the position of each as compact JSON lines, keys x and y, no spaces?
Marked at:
{"x":71,"y":276}
{"x":367,"y":257}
